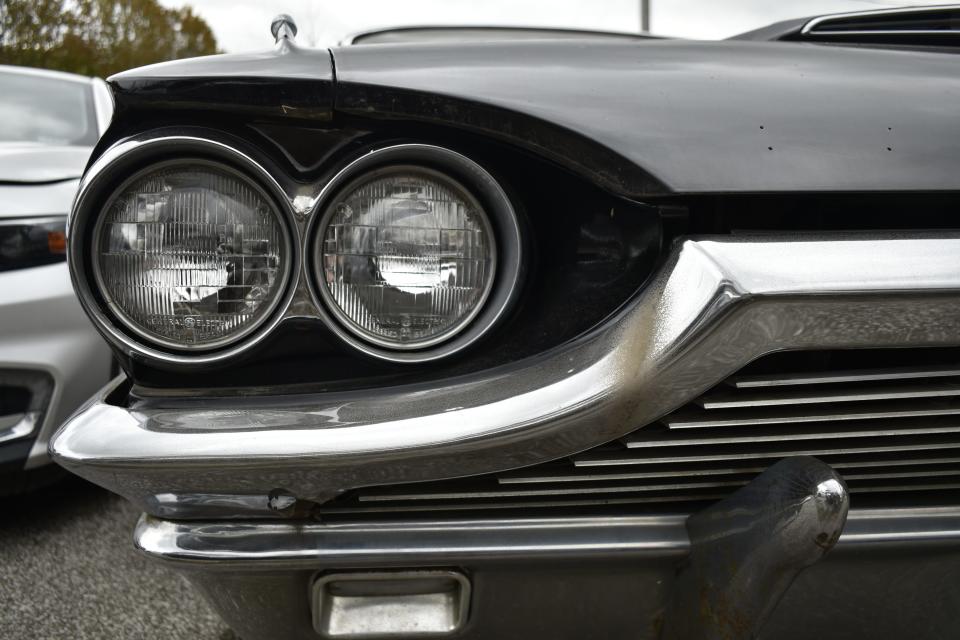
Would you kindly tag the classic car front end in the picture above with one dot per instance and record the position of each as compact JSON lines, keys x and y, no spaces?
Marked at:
{"x":452,"y":339}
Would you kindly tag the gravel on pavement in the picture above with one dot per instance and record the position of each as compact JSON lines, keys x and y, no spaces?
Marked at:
{"x":68,"y":569}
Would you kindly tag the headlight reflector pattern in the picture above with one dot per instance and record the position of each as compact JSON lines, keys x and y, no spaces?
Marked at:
{"x":190,"y":255}
{"x":407,"y":257}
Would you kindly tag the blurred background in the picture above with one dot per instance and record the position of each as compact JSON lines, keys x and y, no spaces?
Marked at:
{"x":100,"y":37}
{"x":67,"y":567}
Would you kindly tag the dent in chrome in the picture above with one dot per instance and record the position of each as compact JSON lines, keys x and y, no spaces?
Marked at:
{"x":715,"y":306}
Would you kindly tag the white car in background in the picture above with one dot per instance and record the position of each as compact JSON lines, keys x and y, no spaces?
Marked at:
{"x":51,"y":358}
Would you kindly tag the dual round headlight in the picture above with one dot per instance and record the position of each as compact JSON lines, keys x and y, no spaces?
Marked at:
{"x":403,"y":257}
{"x":191,"y":255}
{"x":406,"y":257}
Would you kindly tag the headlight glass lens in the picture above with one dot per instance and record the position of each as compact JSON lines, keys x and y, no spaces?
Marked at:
{"x":407,"y":257}
{"x":191,"y":255}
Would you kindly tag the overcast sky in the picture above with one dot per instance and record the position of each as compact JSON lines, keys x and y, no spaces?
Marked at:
{"x":243,"y":25}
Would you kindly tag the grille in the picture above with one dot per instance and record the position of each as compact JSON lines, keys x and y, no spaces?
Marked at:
{"x":888,"y":421}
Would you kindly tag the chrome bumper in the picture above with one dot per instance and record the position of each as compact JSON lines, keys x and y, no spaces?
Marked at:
{"x":714,"y":307}
{"x":892,"y":574}
{"x":218,"y":481}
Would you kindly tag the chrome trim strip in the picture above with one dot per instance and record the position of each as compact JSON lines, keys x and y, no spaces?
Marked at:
{"x":682,"y":419}
{"x":103,"y":103}
{"x":633,"y":456}
{"x":32,"y":220}
{"x":885,"y":32}
{"x":641,"y":440}
{"x":715,"y":306}
{"x":263,"y":545}
{"x":826,"y":395}
{"x":809,"y":27}
{"x":280,"y":544}
{"x":839,"y":377}
{"x":749,"y":466}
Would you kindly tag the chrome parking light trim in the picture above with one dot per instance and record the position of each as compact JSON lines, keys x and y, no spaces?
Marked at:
{"x":716,"y":305}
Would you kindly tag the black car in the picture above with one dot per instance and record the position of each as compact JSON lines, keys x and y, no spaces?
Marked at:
{"x":579,"y":337}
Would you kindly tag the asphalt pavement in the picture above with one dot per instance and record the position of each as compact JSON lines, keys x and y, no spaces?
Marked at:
{"x":68,"y":570}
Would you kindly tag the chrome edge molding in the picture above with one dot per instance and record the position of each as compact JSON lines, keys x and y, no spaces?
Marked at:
{"x":281,"y":545}
{"x":810,"y":27}
{"x":715,"y":306}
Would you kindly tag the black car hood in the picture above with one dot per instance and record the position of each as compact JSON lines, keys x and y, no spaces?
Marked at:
{"x":26,"y":163}
{"x":695,"y":116}
{"x":639,"y":117}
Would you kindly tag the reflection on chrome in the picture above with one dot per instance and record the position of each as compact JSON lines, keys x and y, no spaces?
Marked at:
{"x":747,"y":549}
{"x":576,"y":397}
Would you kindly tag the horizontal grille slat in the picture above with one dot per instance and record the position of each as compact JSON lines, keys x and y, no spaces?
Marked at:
{"x":629,"y":457}
{"x":862,"y":481}
{"x":891,"y":428}
{"x":342,"y":508}
{"x":838,"y":377}
{"x":869,"y":429}
{"x":559,"y":491}
{"x":917,"y":466}
{"x":855,"y":393}
{"x":696,"y":418}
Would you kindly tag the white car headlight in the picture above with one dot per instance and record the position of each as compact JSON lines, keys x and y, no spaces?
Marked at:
{"x":407,"y":257}
{"x":190,"y":254}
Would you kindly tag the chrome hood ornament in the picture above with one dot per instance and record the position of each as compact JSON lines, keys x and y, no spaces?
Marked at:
{"x":283,"y":27}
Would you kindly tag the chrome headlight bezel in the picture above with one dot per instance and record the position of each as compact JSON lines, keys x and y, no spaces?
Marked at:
{"x":498,"y":212}
{"x":130,"y":159}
